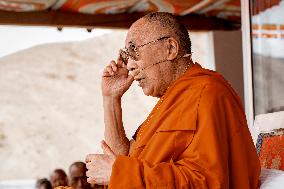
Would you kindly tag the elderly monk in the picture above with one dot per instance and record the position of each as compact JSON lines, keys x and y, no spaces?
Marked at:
{"x":195,"y":137}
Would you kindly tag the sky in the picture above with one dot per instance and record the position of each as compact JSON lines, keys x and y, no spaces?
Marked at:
{"x":16,"y":38}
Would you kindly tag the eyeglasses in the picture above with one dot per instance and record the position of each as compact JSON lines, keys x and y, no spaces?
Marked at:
{"x":151,"y":65}
{"x":132,"y":50}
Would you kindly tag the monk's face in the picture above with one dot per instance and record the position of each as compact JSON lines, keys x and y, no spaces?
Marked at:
{"x":152,"y":78}
{"x":78,"y":178}
{"x":58,"y":179}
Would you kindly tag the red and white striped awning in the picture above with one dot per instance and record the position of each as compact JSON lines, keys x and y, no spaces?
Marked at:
{"x":226,"y":9}
{"x":259,"y":6}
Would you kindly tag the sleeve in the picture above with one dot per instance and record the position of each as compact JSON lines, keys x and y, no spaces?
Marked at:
{"x":203,"y":164}
{"x":133,"y":173}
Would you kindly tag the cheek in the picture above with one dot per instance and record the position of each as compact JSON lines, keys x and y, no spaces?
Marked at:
{"x":153,"y":74}
{"x":153,"y":53}
{"x":148,"y":57}
{"x":159,"y":54}
{"x":150,"y":85}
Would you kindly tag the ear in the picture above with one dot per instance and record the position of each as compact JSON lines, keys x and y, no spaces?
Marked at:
{"x":173,"y":48}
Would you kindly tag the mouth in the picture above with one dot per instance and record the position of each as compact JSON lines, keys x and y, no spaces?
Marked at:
{"x":140,"y":81}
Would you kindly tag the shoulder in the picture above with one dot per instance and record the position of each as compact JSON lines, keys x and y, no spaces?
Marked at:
{"x":204,"y":87}
{"x":210,"y":91}
{"x":212,"y":85}
{"x":216,"y":95}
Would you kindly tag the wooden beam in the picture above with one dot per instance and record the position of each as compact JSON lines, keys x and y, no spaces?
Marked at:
{"x":70,"y":19}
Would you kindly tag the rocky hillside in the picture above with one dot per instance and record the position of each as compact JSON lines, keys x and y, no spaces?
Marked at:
{"x":51,"y":106}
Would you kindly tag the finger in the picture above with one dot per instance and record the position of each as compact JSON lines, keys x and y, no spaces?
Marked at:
{"x":110,"y":70}
{"x":88,"y":173}
{"x":91,"y":180}
{"x":89,"y":165}
{"x":89,"y":157}
{"x":113,"y":66}
{"x":119,"y":61}
{"x":91,"y":173}
{"x":134,"y":72}
{"x":107,"y":150}
{"x":130,"y":79}
{"x":106,"y":74}
{"x":101,"y":181}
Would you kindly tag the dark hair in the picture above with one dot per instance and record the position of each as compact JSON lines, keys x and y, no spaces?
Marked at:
{"x":43,"y":182}
{"x":60,"y":171}
{"x":171,"y":22}
{"x":78,"y":164}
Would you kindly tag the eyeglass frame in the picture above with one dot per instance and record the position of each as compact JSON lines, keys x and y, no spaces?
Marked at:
{"x":125,"y":50}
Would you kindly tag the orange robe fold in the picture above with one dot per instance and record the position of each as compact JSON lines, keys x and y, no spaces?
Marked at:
{"x":197,"y":138}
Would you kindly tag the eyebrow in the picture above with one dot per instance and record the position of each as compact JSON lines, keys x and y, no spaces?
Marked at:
{"x":131,"y":42}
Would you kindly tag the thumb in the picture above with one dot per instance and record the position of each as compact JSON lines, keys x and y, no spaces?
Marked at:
{"x":130,"y":79}
{"x":107,"y":150}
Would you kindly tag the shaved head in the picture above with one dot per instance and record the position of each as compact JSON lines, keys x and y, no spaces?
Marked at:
{"x":164,"y":24}
{"x":159,"y":51}
{"x":169,"y":22}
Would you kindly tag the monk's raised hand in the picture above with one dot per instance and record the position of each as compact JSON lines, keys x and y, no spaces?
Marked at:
{"x":100,"y":166}
{"x":116,"y":80}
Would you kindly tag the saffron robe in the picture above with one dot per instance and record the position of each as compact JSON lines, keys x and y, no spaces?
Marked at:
{"x":196,"y":138}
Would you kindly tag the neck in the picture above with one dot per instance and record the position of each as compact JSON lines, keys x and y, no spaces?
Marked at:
{"x":180,"y":67}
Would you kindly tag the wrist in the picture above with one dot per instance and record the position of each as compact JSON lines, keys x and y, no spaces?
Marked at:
{"x":112,"y":99}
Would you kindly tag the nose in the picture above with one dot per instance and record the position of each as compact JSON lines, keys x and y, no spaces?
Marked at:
{"x":131,"y":65}
{"x":133,"y":68}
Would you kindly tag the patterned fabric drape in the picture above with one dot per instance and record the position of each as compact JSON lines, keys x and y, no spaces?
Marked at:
{"x":227,"y":9}
{"x":262,"y":5}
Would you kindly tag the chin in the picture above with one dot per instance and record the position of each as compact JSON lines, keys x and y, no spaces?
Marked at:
{"x":147,"y":91}
{"x":150,"y":92}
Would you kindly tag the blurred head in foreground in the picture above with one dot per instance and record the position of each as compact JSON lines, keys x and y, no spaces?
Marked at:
{"x":43,"y":184}
{"x":58,"y":178}
{"x":77,"y":176}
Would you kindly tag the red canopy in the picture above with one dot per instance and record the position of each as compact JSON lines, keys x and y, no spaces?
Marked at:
{"x":196,"y":14}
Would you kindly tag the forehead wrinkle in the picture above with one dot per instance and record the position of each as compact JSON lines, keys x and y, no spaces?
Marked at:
{"x":133,"y":36}
{"x":142,"y":31}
